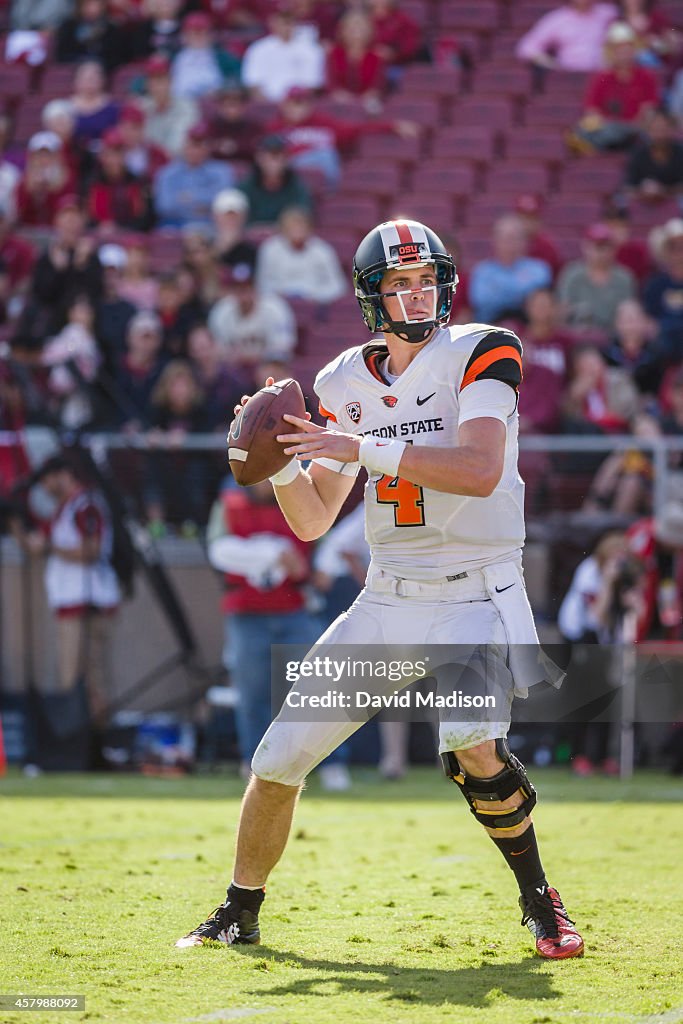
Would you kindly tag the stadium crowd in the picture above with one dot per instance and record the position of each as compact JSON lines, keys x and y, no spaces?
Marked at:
{"x":177,"y":193}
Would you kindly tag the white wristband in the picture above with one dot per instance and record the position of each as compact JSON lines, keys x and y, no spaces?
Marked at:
{"x":287,"y":475}
{"x":381,"y":456}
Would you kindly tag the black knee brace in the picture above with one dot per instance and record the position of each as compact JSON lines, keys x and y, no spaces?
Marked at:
{"x":511,"y":778}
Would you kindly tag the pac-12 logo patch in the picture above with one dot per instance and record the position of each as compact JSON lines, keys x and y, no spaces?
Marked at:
{"x":389,"y":401}
{"x":353,"y":409}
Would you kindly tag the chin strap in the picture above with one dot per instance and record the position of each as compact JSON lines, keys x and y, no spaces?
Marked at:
{"x":412,"y":333}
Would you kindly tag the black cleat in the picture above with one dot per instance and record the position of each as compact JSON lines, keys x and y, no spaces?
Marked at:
{"x":229,"y":923}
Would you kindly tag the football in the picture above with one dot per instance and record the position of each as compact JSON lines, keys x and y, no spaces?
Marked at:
{"x":253,"y":452}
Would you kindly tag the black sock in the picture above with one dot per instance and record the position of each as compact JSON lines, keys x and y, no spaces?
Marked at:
{"x":522,"y":855}
{"x":248,"y":899}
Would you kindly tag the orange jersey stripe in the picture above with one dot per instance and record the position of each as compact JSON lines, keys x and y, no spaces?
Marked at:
{"x":483,"y":362}
{"x":371,"y":363}
{"x":328,"y":415}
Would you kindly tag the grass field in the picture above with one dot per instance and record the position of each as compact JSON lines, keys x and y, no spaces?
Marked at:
{"x":390,"y":904}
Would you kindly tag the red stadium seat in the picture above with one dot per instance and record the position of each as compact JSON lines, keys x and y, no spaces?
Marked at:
{"x":468,"y":142}
{"x":546,"y":145}
{"x":28,"y":118}
{"x":517,"y":177}
{"x":448,"y":178}
{"x":342,"y":211}
{"x":382,"y":179}
{"x":14,"y":81}
{"x":483,"y":16}
{"x":495,"y":112}
{"x":555,"y":111}
{"x":57,"y":81}
{"x":424,"y":110}
{"x":436,"y":211}
{"x":496,"y":79}
{"x":434,"y":81}
{"x":593,"y":176}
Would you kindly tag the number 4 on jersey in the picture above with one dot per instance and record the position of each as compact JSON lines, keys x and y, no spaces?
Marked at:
{"x":407,"y":499}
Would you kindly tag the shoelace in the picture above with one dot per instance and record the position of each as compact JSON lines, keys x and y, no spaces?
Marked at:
{"x":544,"y":910}
{"x":218,"y":916}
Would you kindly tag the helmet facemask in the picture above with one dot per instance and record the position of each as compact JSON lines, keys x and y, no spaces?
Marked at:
{"x":414,"y":331}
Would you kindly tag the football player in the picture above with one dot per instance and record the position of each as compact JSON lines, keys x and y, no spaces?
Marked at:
{"x":431,"y":412}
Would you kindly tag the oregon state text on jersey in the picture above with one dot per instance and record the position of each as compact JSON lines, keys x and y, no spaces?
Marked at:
{"x":415,"y":532}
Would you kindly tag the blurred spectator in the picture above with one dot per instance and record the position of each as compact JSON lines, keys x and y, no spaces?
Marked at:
{"x":230,"y":209}
{"x":286,"y":57}
{"x":159,"y":33}
{"x":169,"y":118}
{"x":184,"y":190}
{"x":633,"y":346}
{"x":592,"y":288}
{"x":672,"y":420}
{"x":138,"y":371}
{"x":314,"y":139}
{"x":631,"y":252}
{"x":58,"y":117}
{"x":273,"y":184}
{"x":546,"y":347}
{"x":675,"y":98}
{"x":113,"y":312}
{"x":656,"y":40}
{"x":93,"y":107}
{"x":9,"y":172}
{"x":569,"y":38}
{"x":396,"y":36}
{"x":663,"y":293}
{"x":605,"y":579}
{"x":264,"y":603}
{"x":656,"y":543}
{"x":596,"y":400}
{"x":297,"y":264}
{"x":617,"y":100}
{"x":17,"y":258}
{"x":73,"y":358}
{"x":500,"y":285}
{"x":91,"y":34}
{"x":235,"y":132}
{"x":43,"y":15}
{"x":117,"y":198}
{"x":14,"y":462}
{"x":179,"y":308}
{"x":654,"y":170}
{"x":176,"y":481}
{"x":200,"y":259}
{"x":142,"y":157}
{"x":221,"y":386}
{"x":138,"y":285}
{"x":68,"y":266}
{"x":249,"y":327}
{"x":624,"y":483}
{"x":46,"y":180}
{"x":355,"y":70}
{"x":540,"y":246}
{"x":80,"y":582}
{"x":200,"y":67}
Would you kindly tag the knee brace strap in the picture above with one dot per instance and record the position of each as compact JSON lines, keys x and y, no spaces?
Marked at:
{"x":511,"y":778}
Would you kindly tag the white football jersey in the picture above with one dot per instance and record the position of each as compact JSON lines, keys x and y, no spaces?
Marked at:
{"x":415,"y":532}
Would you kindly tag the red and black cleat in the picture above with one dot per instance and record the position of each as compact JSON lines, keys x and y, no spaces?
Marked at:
{"x":544,"y":915}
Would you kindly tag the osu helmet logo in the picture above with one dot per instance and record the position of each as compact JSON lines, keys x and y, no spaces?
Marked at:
{"x":353,"y":409}
{"x":390,"y":401}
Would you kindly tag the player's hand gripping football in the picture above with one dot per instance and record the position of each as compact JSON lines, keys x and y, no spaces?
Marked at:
{"x":315,"y":442}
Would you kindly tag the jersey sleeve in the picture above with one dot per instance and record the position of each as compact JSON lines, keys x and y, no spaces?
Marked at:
{"x":490,"y":398}
{"x":496,"y":356}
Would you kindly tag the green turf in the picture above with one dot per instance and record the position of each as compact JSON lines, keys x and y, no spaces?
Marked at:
{"x":389,"y":905}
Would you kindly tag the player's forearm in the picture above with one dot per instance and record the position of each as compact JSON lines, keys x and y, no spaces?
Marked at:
{"x":465,"y":470}
{"x":304,"y":509}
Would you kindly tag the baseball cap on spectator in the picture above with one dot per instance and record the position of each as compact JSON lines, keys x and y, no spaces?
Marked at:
{"x":157,"y":64}
{"x":199,"y":133}
{"x":44,"y":140}
{"x":113,"y":139}
{"x":196,"y":21}
{"x":144,"y":322}
{"x":599,"y":233}
{"x":112,"y":255}
{"x":240,"y":273}
{"x":132,"y":114}
{"x":660,"y":237}
{"x":68,"y":202}
{"x":230,"y":200}
{"x":529,"y":203}
{"x":620,"y":32}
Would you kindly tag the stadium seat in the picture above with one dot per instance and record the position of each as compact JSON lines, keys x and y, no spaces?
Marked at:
{"x":473,"y":17}
{"x":14,"y":82}
{"x":451,"y":178}
{"x":56,"y":81}
{"x":499,"y":112}
{"x":27,"y":118}
{"x":342,"y":210}
{"x":469,"y":142}
{"x":592,"y":176}
{"x":546,"y":145}
{"x":554,"y":111}
{"x":420,"y":79}
{"x":517,"y":176}
{"x":436,"y":210}
{"x":423,"y":110}
{"x":382,"y":180}
{"x":496,"y":79}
